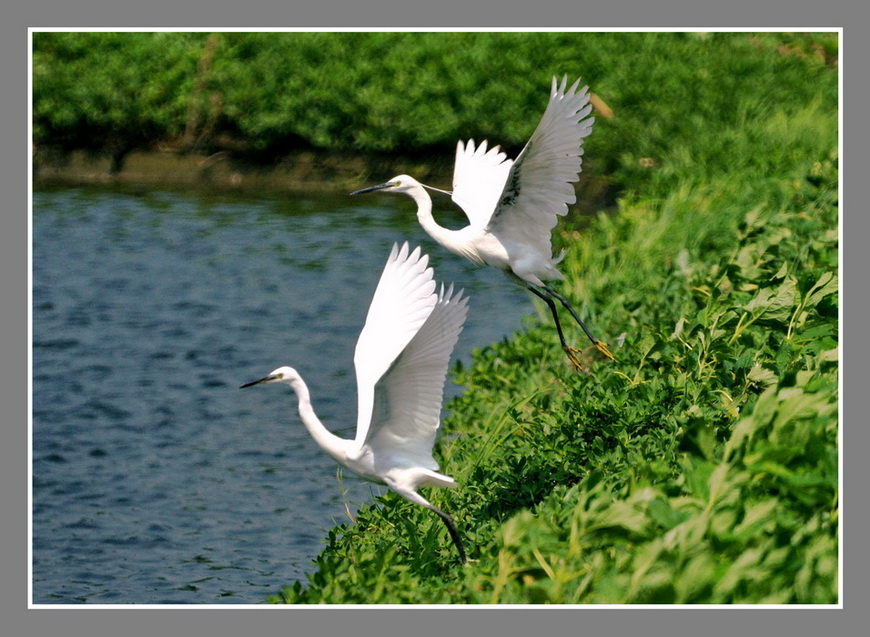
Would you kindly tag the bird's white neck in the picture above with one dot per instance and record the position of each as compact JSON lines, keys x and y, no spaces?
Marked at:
{"x":424,"y":216}
{"x":457,"y":241}
{"x":326,"y":440}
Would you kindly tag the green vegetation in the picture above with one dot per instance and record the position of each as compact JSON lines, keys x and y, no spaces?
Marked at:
{"x":104,"y":91}
{"x":702,"y":466}
{"x":408,"y":92}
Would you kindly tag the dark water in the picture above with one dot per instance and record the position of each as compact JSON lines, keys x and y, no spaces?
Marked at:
{"x":155,"y":479}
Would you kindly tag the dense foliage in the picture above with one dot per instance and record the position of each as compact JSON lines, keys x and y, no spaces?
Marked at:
{"x":414,"y":93}
{"x":702,"y":466}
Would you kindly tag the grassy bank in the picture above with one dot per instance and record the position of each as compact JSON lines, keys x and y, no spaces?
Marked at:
{"x":263,"y":97}
{"x":701,"y":467}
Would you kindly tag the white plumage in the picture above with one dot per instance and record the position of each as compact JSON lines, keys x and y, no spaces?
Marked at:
{"x":513,"y":206}
{"x":401,"y":361}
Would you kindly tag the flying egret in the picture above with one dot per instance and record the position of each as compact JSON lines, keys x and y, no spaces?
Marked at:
{"x":512,"y":206}
{"x":401,"y":361}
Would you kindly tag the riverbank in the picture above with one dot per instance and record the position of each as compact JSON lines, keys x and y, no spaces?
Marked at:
{"x":169,"y":169}
{"x":233,"y":107}
{"x":299,"y":172}
{"x":699,"y":467}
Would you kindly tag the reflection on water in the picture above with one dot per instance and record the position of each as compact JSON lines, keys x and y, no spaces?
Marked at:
{"x":155,"y":480}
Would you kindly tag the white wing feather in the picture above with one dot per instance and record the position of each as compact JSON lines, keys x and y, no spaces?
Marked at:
{"x":403,"y":300}
{"x":539,"y":185}
{"x":478,"y":180}
{"x":407,"y":409}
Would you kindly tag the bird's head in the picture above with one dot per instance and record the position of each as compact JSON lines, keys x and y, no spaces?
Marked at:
{"x":401,"y":184}
{"x":281,"y":375}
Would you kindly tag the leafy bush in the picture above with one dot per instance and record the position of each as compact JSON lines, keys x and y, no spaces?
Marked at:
{"x":417,"y":93}
{"x":701,"y":467}
{"x":111,"y":90}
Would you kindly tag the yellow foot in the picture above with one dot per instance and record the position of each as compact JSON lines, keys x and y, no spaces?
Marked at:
{"x":572,"y":356}
{"x":602,"y":347}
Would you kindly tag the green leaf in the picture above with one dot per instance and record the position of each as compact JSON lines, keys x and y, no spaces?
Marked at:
{"x":827,"y":284}
{"x":774,"y":304}
{"x":759,"y":374}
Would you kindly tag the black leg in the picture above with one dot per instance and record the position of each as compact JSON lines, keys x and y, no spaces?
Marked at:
{"x":569,"y":351}
{"x":552,"y":307}
{"x":454,"y":534}
{"x":601,"y":345}
{"x":568,"y":307}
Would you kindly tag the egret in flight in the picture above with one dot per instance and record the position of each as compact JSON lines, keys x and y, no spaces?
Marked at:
{"x":401,"y":361}
{"x":512,"y":206}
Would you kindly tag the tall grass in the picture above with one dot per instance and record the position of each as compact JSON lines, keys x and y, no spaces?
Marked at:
{"x":701,"y":467}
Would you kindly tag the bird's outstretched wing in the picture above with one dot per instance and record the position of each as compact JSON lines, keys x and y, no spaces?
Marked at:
{"x":407,"y":407}
{"x":539,"y":186}
{"x":478,"y":180}
{"x":404,"y":299}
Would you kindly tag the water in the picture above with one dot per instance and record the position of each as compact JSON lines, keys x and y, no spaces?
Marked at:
{"x":155,"y":479}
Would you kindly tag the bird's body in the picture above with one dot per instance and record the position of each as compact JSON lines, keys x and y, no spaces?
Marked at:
{"x":376,"y":460}
{"x":401,"y":363}
{"x":513,"y":206}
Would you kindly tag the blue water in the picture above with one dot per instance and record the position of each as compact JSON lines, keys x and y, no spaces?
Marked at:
{"x":155,"y":479}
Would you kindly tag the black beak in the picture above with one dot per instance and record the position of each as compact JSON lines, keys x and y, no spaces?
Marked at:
{"x":257,"y":382}
{"x":372,"y":188}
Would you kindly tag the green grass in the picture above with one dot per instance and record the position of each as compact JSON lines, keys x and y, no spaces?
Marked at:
{"x":700,"y":468}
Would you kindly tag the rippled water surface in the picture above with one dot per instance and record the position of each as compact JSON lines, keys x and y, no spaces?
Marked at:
{"x":155,"y":479}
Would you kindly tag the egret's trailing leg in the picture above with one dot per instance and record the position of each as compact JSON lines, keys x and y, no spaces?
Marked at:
{"x":570,"y":351}
{"x":601,"y":345}
{"x":396,"y":482}
{"x":454,"y":533}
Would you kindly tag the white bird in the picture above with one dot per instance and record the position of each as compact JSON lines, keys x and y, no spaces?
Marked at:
{"x":401,"y":362}
{"x":512,"y":206}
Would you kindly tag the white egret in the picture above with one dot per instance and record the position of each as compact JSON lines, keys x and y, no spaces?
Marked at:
{"x":401,"y":362}
{"x":512,"y":206}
